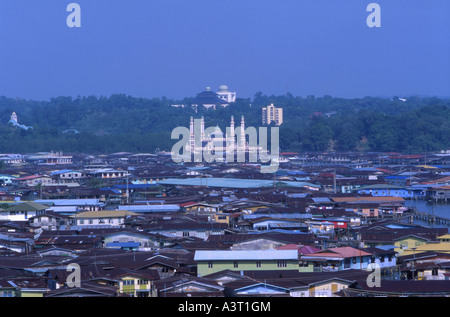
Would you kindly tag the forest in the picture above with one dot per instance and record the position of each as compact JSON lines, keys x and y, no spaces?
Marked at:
{"x":103,"y":125}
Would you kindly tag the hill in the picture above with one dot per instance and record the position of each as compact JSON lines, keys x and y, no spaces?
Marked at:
{"x":125,"y":123}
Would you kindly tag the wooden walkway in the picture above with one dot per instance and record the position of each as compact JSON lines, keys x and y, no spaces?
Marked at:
{"x":426,"y":217}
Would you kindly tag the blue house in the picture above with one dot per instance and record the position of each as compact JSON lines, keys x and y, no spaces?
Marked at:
{"x":386,"y":190}
{"x":398,"y":180}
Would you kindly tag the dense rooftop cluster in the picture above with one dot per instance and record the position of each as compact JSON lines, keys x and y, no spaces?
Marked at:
{"x":129,"y":224}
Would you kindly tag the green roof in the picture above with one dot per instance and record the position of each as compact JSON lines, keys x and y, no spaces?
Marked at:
{"x":27,"y":206}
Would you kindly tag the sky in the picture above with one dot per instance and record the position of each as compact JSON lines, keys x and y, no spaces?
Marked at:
{"x":175,"y":48}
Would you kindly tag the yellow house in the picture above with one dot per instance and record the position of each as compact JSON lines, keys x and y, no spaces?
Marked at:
{"x":444,"y":238}
{"x":138,"y":284}
{"x":327,"y":288}
{"x":222,"y":217}
{"x":199,"y":208}
{"x":408,"y":244}
{"x":33,"y":292}
{"x":365,"y":209}
{"x":442,"y":247}
{"x":413,"y":245}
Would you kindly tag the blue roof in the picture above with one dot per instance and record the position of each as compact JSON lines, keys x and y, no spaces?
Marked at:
{"x":278,"y":231}
{"x":396,"y":177}
{"x":386,"y":247}
{"x":61,"y":172}
{"x":149,"y":208}
{"x":123,"y":244}
{"x":290,"y":172}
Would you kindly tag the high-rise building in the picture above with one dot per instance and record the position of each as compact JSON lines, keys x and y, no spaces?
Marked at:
{"x":272,"y":114}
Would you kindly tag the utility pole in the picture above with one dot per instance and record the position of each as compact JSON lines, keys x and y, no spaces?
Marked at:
{"x":128,"y":193}
{"x":334,"y":181}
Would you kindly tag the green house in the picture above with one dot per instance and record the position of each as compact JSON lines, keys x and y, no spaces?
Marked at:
{"x":213,"y":261}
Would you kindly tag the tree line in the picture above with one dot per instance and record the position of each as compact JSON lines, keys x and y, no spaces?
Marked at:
{"x":102,"y":125}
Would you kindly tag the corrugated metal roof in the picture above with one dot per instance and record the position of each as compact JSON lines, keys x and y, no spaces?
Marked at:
{"x":210,"y":255}
{"x":64,"y":209}
{"x":69,"y":202}
{"x":149,"y":208}
{"x":230,"y":182}
{"x":104,"y":214}
{"x":123,"y":244}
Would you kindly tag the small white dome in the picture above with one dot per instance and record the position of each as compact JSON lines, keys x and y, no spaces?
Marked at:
{"x":223,"y":88}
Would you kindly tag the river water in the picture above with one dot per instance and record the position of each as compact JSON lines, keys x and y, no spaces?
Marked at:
{"x":437,"y":209}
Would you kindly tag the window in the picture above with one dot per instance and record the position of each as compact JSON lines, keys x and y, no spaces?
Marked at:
{"x":282,"y":264}
{"x":210,"y":265}
{"x":347,"y":263}
{"x":235,"y":264}
{"x":258,"y":263}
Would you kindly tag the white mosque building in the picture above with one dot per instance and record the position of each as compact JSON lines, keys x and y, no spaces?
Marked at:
{"x":211,"y":99}
{"x":217,"y":140}
{"x":226,"y":95}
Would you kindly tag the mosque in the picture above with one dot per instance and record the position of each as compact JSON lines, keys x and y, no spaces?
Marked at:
{"x":217,"y":141}
{"x":211,"y":99}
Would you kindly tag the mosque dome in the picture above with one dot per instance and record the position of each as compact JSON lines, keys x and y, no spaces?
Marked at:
{"x":223,"y":88}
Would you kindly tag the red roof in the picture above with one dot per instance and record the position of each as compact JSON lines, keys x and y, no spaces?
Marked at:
{"x":308,"y":249}
{"x":342,"y":252}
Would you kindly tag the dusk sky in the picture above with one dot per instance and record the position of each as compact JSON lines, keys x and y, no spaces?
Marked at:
{"x":175,"y":48}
